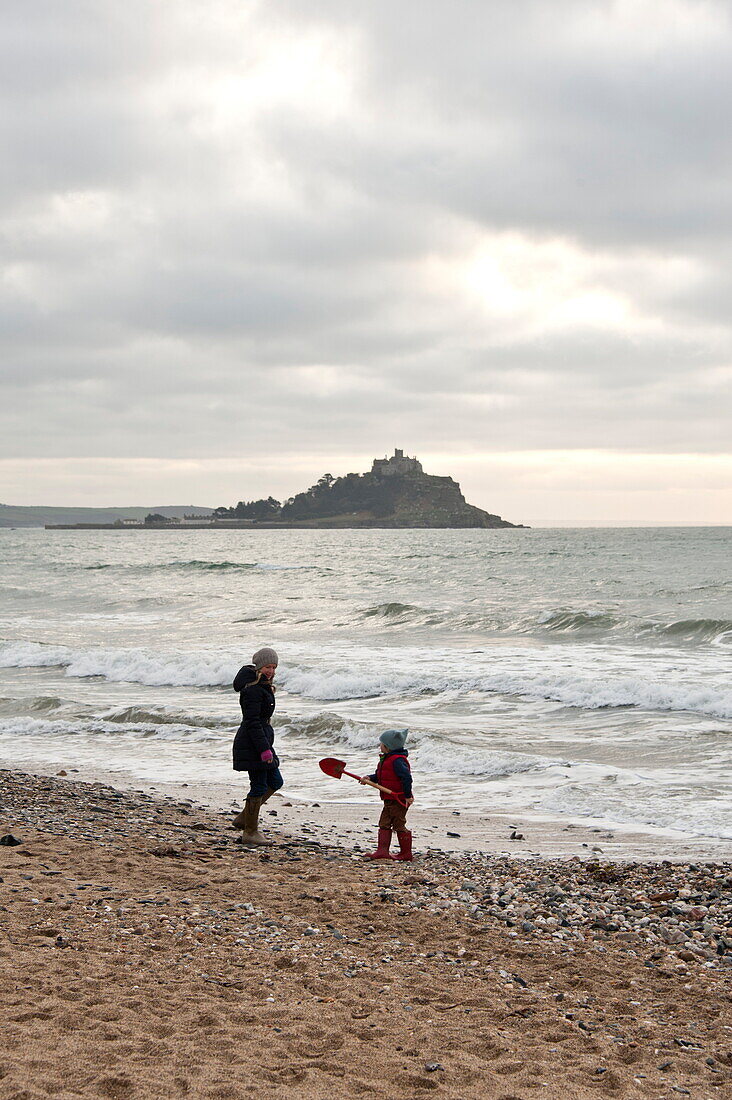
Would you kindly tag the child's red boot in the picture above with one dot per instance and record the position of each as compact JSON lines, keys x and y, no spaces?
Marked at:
{"x":382,"y":848}
{"x":405,"y":847}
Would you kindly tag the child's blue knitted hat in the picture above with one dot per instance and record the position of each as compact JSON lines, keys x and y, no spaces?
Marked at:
{"x":393,"y":739}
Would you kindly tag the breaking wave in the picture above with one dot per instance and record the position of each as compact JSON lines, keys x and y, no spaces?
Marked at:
{"x":197,"y":565}
{"x":40,"y":704}
{"x":578,"y":620}
{"x":27,"y":727}
{"x":436,"y":755}
{"x":325,"y":733}
{"x":553,"y":679}
{"x":702,"y":630}
{"x":717,"y":631}
{"x":429,"y":753}
{"x":573,"y":689}
{"x":205,"y":566}
{"x":392,"y":611}
{"x":136,"y":666}
{"x":75,"y":712}
{"x":157,"y":716}
{"x":596,"y":625}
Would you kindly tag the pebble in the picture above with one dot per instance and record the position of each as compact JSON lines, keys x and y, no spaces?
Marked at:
{"x":635,"y":903}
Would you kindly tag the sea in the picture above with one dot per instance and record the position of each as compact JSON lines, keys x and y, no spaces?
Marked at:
{"x":573,"y":674}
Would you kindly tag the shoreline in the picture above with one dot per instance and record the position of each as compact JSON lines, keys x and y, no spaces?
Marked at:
{"x":354,"y":823}
{"x":145,"y":952}
{"x":295,"y":525}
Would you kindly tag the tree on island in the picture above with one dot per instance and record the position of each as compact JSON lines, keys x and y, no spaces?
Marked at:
{"x":251,"y":509}
{"x":334,"y":496}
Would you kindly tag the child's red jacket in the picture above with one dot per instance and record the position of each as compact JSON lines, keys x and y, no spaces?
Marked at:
{"x":393,"y":771}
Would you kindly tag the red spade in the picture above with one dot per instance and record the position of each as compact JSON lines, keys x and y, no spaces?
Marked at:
{"x":337,"y":768}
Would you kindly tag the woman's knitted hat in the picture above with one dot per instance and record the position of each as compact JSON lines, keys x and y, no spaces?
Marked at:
{"x":393,"y":739}
{"x":265,"y":656}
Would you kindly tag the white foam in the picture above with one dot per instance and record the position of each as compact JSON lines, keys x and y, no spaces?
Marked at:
{"x":593,"y":693}
{"x":576,"y":688}
{"x":655,"y":802}
{"x":575,"y":678}
{"x":139,"y":666}
{"x":438,"y":755}
{"x":335,"y":684}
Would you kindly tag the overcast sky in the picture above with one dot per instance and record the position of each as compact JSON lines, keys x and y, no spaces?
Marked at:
{"x":243,"y":244}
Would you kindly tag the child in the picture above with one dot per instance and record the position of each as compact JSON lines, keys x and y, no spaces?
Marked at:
{"x":393,"y":771}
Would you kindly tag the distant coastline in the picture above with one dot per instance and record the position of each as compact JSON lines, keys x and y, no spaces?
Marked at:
{"x":340,"y":524}
{"x":38,"y":515}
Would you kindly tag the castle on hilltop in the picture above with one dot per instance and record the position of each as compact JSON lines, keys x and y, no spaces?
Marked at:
{"x":399,"y":463}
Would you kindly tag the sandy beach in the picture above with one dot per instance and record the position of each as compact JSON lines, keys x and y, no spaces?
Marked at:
{"x":444,"y":829}
{"x":146,"y":953}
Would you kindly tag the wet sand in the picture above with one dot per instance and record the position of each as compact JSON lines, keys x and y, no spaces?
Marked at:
{"x":144,"y":952}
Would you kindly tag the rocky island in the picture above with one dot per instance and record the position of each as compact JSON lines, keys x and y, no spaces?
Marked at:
{"x":396,"y":492}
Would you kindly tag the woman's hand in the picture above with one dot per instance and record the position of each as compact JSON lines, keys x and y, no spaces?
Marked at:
{"x":408,"y":801}
{"x":267,"y":756}
{"x":364,"y":781}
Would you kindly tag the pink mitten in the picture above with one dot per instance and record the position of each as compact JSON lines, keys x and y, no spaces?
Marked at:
{"x":267,"y":756}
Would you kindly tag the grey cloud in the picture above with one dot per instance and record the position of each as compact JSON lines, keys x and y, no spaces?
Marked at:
{"x":177,"y":321}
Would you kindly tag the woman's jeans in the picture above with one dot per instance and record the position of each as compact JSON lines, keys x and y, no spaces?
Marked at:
{"x":262,"y":780}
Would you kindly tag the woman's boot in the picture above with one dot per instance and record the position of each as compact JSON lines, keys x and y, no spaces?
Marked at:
{"x":382,"y":848}
{"x":405,"y":847}
{"x":251,"y":834}
{"x":239,"y":821}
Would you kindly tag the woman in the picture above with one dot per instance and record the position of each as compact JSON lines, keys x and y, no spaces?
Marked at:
{"x":254,"y":739}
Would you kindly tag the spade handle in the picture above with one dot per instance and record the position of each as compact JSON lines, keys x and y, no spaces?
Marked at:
{"x":371,"y":783}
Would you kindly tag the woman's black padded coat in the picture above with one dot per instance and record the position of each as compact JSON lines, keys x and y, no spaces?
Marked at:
{"x":255,"y":734}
